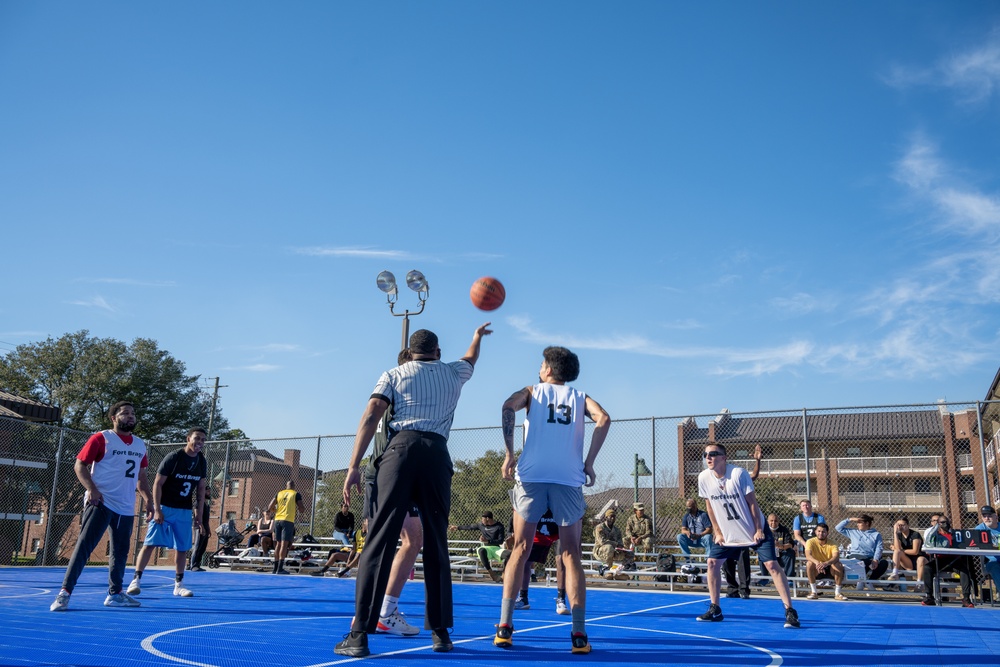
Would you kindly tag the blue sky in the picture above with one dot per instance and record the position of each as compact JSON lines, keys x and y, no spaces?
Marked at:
{"x":742,"y":205}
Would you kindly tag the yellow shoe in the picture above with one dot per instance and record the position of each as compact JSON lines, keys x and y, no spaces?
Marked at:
{"x":504,"y":636}
{"x":580,"y":643}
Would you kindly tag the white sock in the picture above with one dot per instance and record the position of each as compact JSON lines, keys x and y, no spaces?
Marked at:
{"x":812,"y":587}
{"x":895,"y":571}
{"x":836,"y":590}
{"x":389,"y":605}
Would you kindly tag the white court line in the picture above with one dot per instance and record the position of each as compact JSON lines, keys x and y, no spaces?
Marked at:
{"x":776,"y":659}
{"x":147,"y":643}
{"x":39,"y":591}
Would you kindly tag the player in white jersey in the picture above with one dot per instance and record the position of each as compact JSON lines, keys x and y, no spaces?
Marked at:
{"x":551,"y":474}
{"x":737,"y":524}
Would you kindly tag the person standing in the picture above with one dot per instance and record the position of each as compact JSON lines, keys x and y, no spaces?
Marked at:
{"x":111,"y":466}
{"x":550,"y":475}
{"x":805,"y":522}
{"x":415,"y":469}
{"x":737,"y":524}
{"x":179,"y":480}
{"x":202,"y":544}
{"x":283,"y":506}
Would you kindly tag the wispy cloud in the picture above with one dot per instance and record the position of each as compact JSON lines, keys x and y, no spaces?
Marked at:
{"x":94,"y":302}
{"x":253,"y":368}
{"x":800,"y":303}
{"x":129,"y":281}
{"x":974,"y":74}
{"x":272,"y":347}
{"x":365,"y":253}
{"x":683,"y":325}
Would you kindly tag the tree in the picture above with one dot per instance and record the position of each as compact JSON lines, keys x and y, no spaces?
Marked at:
{"x":84,"y":376}
{"x":478,"y":486}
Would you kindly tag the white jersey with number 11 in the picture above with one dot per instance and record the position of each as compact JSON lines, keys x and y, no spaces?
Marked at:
{"x":728,"y":497}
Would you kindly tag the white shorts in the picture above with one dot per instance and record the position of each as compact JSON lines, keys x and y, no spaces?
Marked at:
{"x":532,"y":499}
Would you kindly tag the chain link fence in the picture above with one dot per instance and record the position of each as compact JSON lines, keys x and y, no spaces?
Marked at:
{"x":886,"y":461}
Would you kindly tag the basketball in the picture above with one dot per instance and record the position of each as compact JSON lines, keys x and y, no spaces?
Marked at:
{"x":487,"y":293}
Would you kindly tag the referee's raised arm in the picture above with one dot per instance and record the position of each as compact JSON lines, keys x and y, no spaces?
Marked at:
{"x":472,"y":354}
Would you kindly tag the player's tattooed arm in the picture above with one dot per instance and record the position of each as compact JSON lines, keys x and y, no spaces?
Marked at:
{"x":507,"y":421}
{"x":518,"y":400}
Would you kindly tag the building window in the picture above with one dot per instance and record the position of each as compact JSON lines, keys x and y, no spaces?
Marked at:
{"x":230,"y":516}
{"x":919,"y":450}
{"x":742,"y":454}
{"x":922,"y":486}
{"x":854,"y":452}
{"x":880,"y":449}
{"x":800,"y":487}
{"x":36,"y":543}
{"x":234,"y":487}
{"x":855,"y":486}
{"x":799,"y":453}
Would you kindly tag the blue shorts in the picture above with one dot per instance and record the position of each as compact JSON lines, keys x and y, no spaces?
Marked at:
{"x":532,"y":499}
{"x":765,"y":550}
{"x":175,"y":531}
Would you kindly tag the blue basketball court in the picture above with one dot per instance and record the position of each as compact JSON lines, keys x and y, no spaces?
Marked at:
{"x":259,"y":620}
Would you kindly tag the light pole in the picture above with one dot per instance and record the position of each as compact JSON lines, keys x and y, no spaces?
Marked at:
{"x":416,"y":282}
{"x":641,"y":470}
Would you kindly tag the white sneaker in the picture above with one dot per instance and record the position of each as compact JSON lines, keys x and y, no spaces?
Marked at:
{"x":61,"y":603}
{"x":395,"y":624}
{"x":561,"y":607}
{"x":134,"y":588}
{"x":121,"y":600}
{"x":182,"y":592}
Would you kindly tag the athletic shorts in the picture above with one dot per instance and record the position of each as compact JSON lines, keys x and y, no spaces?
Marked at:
{"x":539,"y":553}
{"x":765,"y":550}
{"x":175,"y":531}
{"x":532,"y":499}
{"x":284,"y":531}
{"x":370,"y":497}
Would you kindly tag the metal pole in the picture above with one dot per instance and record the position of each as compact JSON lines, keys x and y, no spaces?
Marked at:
{"x":406,"y":331}
{"x":635,"y":476}
{"x":225,"y":481}
{"x":652,"y":499}
{"x":211,"y":415}
{"x":982,"y":453}
{"x":312,"y":513}
{"x":805,"y":451}
{"x":52,"y":498}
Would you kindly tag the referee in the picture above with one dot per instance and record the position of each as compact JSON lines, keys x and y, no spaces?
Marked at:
{"x":415,"y":469}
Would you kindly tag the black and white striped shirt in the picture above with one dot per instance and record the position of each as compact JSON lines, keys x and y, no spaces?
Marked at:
{"x":424,"y":394}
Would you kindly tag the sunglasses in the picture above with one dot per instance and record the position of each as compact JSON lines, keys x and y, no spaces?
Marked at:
{"x":709,"y":455}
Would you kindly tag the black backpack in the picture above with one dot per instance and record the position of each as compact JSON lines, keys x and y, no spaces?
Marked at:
{"x":665,"y":563}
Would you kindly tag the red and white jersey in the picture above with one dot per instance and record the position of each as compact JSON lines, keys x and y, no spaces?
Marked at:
{"x":728,"y":497}
{"x":553,"y":442}
{"x":115,"y":466}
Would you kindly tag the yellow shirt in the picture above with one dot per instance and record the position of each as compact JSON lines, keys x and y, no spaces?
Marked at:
{"x":286,"y":505}
{"x":819,"y":551}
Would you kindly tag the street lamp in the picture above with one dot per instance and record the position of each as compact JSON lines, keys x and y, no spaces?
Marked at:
{"x":416,"y":281}
{"x":640,"y":471}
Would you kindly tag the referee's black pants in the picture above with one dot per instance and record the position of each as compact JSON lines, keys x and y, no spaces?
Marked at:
{"x":416,"y":470}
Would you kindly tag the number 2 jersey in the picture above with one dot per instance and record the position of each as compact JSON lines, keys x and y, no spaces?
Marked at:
{"x":553,"y":443}
{"x":183,"y":473}
{"x":728,"y":497}
{"x":115,"y":466}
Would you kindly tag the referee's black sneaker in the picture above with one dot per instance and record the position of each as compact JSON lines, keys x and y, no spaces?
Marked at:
{"x":441,"y":641}
{"x":791,"y":618}
{"x":714,"y":613}
{"x":355,"y":644}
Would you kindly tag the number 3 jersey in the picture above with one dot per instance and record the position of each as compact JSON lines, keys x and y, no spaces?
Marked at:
{"x":553,"y":441}
{"x":115,"y":466}
{"x":728,"y":497}
{"x":183,"y":473}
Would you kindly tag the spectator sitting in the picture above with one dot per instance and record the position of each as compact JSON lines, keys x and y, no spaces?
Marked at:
{"x":350,"y":557}
{"x":992,"y":563}
{"x":866,"y":546}
{"x":942,"y":537}
{"x":639,"y":530}
{"x":264,"y":535}
{"x":492,"y":536}
{"x":907,"y":550}
{"x":343,"y":525}
{"x":823,"y":559}
{"x":609,"y":546}
{"x":696,"y":529}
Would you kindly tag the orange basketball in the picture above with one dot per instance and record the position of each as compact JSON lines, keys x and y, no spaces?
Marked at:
{"x":487,"y":293}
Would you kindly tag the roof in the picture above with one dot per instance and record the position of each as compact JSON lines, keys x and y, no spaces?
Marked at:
{"x":27,"y":409}
{"x":249,"y":461}
{"x":839,"y":426}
